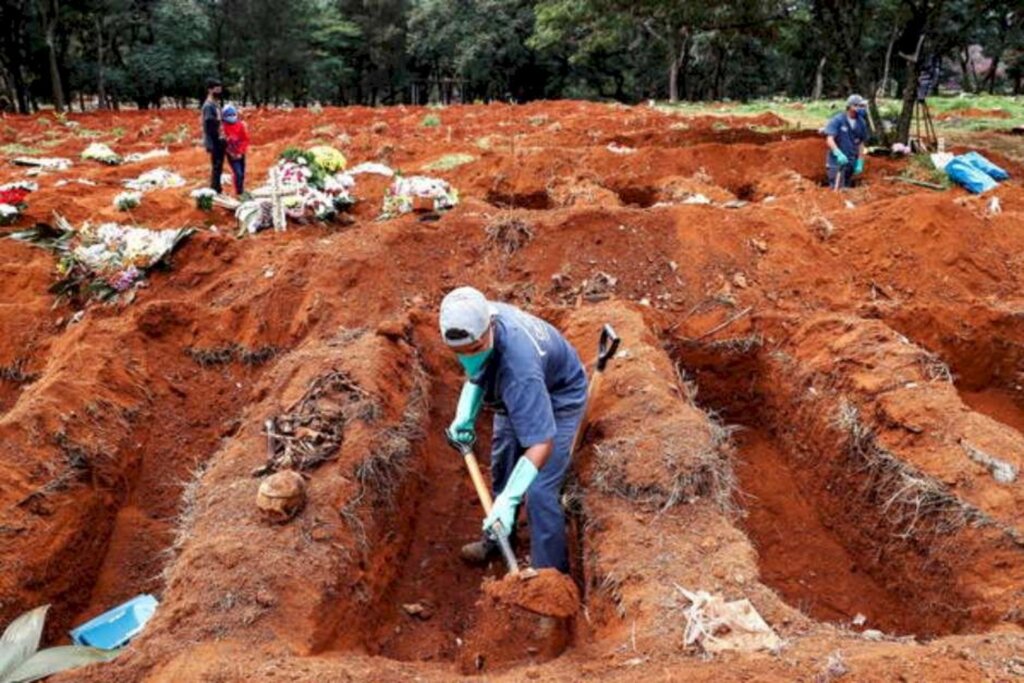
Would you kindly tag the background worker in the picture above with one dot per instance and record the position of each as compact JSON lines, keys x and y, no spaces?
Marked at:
{"x":213,"y":133}
{"x":525,"y":370}
{"x":846,"y":133}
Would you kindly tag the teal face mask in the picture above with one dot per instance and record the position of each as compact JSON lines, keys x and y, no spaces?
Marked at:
{"x":473,"y":363}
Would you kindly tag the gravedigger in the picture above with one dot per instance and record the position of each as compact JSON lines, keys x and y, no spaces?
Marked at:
{"x":532,"y":378}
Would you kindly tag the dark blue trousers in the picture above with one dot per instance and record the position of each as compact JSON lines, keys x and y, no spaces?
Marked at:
{"x":238,"y":171}
{"x":847,"y":172}
{"x":543,"y":499}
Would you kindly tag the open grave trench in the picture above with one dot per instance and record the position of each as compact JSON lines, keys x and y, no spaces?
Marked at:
{"x":779,"y":462}
{"x":871,"y":488}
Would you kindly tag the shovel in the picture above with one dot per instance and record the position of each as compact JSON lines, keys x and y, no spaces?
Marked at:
{"x":607,"y":345}
{"x":487,"y":502}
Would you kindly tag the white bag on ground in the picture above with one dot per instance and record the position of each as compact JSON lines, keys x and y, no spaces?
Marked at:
{"x":719,"y":626}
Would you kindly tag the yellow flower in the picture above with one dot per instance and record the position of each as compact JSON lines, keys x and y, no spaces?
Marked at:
{"x":330,"y":159}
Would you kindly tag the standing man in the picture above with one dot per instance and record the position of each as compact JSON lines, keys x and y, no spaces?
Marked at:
{"x":525,"y":370}
{"x":846,"y":133}
{"x":213,"y":134}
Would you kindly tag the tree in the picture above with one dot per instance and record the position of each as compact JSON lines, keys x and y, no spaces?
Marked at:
{"x":49,"y":15}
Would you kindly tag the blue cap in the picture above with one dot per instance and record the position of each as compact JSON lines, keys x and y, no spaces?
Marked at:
{"x":230,"y":114}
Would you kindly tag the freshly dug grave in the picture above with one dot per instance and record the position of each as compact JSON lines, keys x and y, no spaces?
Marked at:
{"x":239,"y":330}
{"x":919,"y":487}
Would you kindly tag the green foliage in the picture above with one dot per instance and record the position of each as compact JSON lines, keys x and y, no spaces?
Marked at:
{"x":431,"y":121}
{"x":159,"y":52}
{"x":180,"y":135}
{"x":449,"y":161}
{"x":16,"y":149}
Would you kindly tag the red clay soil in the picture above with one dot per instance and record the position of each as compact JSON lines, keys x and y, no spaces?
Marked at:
{"x":128,"y":459}
{"x":800,"y":557}
{"x":520,"y":619}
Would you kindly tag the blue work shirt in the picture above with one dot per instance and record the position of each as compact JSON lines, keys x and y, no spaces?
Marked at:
{"x":533,"y":375}
{"x":848,"y":136}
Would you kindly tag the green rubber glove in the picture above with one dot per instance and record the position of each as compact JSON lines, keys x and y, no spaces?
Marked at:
{"x":507,"y":502}
{"x":858,"y":167}
{"x":840,"y":157}
{"x":463,"y":427}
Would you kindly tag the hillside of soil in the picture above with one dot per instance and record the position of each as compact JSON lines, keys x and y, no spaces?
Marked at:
{"x":818,"y":406}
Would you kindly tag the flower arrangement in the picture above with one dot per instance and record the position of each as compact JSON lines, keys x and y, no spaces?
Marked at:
{"x":105,"y":260}
{"x":297,"y":172}
{"x":337,"y":187}
{"x":43,"y":163}
{"x":12,"y":200}
{"x":102,"y":153}
{"x":155,"y":179}
{"x":126,"y":201}
{"x":204,"y":198}
{"x":329,"y":159}
{"x":255,"y":215}
{"x":405,"y":193}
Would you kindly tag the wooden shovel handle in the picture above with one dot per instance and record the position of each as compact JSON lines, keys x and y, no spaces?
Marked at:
{"x":482,"y":491}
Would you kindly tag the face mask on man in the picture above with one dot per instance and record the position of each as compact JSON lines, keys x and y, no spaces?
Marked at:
{"x":474,"y":363}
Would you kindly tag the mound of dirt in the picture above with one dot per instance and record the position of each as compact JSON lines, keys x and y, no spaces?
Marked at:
{"x":548,"y":593}
{"x":521,"y":619}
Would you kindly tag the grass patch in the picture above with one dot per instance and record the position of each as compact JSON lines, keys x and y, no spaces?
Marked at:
{"x":88,"y":133}
{"x":508,"y":233}
{"x":118,"y":132}
{"x":448,"y":162}
{"x":180,"y":134}
{"x":382,"y":472}
{"x":920,"y":167}
{"x":16,"y":149}
{"x":430,"y":121}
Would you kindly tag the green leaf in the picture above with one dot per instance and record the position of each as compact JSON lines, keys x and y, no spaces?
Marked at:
{"x":20,"y":640}
{"x":56,"y":659}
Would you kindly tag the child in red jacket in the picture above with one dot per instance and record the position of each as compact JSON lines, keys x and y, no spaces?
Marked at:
{"x":237,"y":136}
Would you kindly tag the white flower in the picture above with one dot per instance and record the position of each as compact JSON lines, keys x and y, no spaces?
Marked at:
{"x":158,"y":178}
{"x":98,"y":151}
{"x":26,"y":185}
{"x":202,"y":192}
{"x":127,"y":200}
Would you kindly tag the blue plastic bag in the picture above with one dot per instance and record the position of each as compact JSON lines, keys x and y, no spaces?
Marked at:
{"x":963,"y":173}
{"x":115,"y":627}
{"x":984,"y":165}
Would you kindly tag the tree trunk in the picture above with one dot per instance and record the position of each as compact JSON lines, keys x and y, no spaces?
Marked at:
{"x":101,"y":87}
{"x":50,"y":13}
{"x":970,"y":83}
{"x":909,"y":97}
{"x":819,"y":78}
{"x":888,"y":59}
{"x":673,"y":80}
{"x":992,"y":72}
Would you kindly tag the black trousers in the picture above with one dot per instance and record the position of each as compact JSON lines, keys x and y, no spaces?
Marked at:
{"x":217,"y":155}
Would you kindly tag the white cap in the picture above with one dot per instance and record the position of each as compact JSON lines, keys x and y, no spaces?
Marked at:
{"x":856,"y":101}
{"x":465,"y":316}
